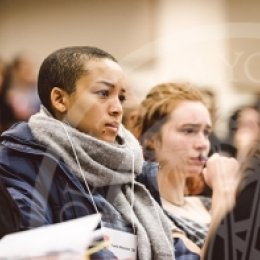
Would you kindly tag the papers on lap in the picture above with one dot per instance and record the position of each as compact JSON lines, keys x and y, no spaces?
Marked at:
{"x":70,"y":236}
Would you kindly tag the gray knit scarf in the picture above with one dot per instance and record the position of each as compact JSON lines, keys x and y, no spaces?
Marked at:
{"x":105,"y":164}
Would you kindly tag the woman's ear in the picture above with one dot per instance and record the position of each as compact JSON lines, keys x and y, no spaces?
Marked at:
{"x":59,"y":100}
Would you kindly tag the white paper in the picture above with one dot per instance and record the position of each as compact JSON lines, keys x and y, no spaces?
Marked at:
{"x":72,"y":235}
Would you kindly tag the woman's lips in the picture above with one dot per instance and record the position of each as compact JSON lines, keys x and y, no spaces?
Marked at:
{"x":112,"y":127}
{"x":197,"y":161}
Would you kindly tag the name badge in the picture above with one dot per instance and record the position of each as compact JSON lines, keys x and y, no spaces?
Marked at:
{"x":123,"y":244}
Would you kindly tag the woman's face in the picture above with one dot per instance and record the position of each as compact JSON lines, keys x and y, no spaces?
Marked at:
{"x":184,"y":137}
{"x":95,"y":107}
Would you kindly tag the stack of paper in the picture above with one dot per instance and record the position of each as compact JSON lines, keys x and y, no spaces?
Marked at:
{"x":70,"y":236}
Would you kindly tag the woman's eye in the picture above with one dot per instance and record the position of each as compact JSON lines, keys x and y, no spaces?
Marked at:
{"x":188,"y":130}
{"x":122,"y":98}
{"x":103,"y":93}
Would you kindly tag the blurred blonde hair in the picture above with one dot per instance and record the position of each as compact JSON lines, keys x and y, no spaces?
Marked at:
{"x":161,"y":101}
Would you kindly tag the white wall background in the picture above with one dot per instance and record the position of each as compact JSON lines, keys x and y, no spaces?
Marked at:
{"x":209,"y":43}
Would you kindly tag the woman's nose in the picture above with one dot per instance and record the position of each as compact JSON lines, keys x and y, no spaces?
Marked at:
{"x":202,"y":141}
{"x":115,"y":107}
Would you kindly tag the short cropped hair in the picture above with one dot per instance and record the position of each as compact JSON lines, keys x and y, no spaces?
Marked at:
{"x":63,"y":68}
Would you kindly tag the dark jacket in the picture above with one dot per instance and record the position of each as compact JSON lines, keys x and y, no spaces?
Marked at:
{"x":238,"y":234}
{"x":9,"y":217}
{"x":47,"y":192}
{"x":149,"y":179}
{"x":43,"y":187}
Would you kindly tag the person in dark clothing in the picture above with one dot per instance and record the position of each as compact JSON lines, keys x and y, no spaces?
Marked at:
{"x":236,"y":236}
{"x":9,"y":218}
{"x":75,"y":158}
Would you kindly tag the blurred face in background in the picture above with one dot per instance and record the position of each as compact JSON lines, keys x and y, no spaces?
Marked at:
{"x":248,"y":128}
{"x":184,"y":137}
{"x":24,"y":74}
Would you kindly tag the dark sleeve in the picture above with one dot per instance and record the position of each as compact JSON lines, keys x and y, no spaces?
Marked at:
{"x":10,"y":220}
{"x":31,"y":203}
{"x":148,"y":178}
{"x":238,"y":235}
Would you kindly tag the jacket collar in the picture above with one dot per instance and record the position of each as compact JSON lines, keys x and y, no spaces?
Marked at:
{"x":19,"y":137}
{"x":20,"y":133}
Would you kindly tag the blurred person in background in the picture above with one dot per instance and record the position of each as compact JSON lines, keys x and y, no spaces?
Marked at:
{"x":244,"y":129}
{"x":10,"y":219}
{"x":248,"y":129}
{"x":19,"y":88}
{"x":2,"y":72}
{"x":2,"y":75}
{"x":177,"y":124}
{"x":7,"y":117}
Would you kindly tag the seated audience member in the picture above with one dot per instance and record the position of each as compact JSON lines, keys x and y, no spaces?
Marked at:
{"x":177,"y":125}
{"x":236,"y":235}
{"x":20,"y":88}
{"x":195,"y":185}
{"x":75,"y":158}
